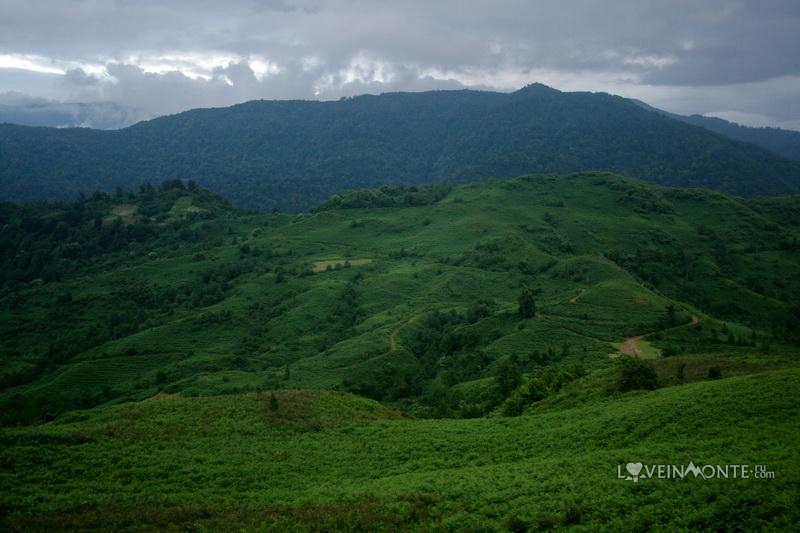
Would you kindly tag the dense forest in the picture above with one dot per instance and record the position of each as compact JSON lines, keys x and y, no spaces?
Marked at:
{"x":782,"y":142}
{"x":291,"y":155}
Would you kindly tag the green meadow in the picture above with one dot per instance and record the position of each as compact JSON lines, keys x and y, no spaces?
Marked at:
{"x":231,"y":461}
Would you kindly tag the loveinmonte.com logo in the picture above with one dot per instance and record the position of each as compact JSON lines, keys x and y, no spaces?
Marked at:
{"x":636,"y":471}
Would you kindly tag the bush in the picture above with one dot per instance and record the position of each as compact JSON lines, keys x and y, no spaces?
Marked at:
{"x":680,"y":373}
{"x":527,"y":306}
{"x":574,"y":515}
{"x":515,"y":524}
{"x":715,"y":372}
{"x":546,"y":522}
{"x":539,"y":387}
{"x":508,"y":377}
{"x":635,"y":374}
{"x":669,"y":351}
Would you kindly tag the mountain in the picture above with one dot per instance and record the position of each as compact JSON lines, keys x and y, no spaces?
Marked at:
{"x":785,"y":143}
{"x":488,"y":356}
{"x":293,"y":154}
{"x":28,"y":111}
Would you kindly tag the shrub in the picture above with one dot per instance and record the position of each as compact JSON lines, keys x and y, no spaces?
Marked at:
{"x":680,"y":372}
{"x":574,"y":515}
{"x":515,"y":524}
{"x":636,"y":374}
{"x":546,"y":522}
{"x":527,"y":307}
{"x":508,"y":376}
{"x":669,"y":351}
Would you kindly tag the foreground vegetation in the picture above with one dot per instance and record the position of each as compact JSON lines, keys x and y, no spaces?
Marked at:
{"x":223,"y":462}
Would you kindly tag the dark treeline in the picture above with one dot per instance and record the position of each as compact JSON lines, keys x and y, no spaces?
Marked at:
{"x":292,"y":155}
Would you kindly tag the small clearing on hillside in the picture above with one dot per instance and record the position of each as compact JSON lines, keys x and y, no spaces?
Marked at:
{"x":321,"y":266}
{"x":126,"y":213}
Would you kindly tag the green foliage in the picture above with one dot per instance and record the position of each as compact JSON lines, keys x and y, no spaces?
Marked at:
{"x":526,"y":305}
{"x":336,"y":462}
{"x":386,"y":196}
{"x":636,"y":374}
{"x":186,"y":356}
{"x":543,"y":384}
{"x":508,"y":376}
{"x":212,"y":300}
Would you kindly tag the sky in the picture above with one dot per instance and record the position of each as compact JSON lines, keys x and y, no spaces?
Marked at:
{"x":738,"y":60}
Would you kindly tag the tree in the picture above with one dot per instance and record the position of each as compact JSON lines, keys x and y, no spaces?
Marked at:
{"x":635,"y":374}
{"x":273,"y":402}
{"x":508,"y":376}
{"x":671,"y":314}
{"x":527,"y":306}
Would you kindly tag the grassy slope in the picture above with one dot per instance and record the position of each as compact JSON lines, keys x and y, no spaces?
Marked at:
{"x":203,"y":448}
{"x":480,"y":242}
{"x":181,"y":461}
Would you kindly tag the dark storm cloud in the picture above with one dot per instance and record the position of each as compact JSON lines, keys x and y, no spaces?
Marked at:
{"x":168,"y":56}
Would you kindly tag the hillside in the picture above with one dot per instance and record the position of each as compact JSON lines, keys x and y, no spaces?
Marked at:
{"x":293,"y":154}
{"x":785,"y":143}
{"x":485,"y":357}
{"x":228,"y":469}
{"x":405,"y":295}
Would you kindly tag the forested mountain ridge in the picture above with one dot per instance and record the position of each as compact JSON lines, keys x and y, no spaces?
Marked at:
{"x":293,"y":154}
{"x":780,"y":141}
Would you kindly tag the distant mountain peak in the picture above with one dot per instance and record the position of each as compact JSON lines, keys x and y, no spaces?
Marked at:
{"x":537,"y":88}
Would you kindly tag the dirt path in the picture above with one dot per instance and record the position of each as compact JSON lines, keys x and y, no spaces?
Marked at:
{"x":574,"y":299}
{"x":628,"y":347}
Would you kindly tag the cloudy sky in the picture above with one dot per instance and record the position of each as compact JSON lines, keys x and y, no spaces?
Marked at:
{"x":739,"y":60}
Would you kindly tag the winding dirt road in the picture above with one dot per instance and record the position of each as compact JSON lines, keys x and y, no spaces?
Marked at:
{"x":629,"y":347}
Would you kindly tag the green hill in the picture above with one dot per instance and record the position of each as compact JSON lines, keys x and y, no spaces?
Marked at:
{"x":294,"y":154}
{"x":417,"y":304}
{"x":485,"y":356}
{"x":213,"y":463}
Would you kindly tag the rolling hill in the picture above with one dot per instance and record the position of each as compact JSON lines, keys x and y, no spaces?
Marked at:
{"x":405,"y":295}
{"x":229,"y":468}
{"x":293,"y":154}
{"x":484,"y":356}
